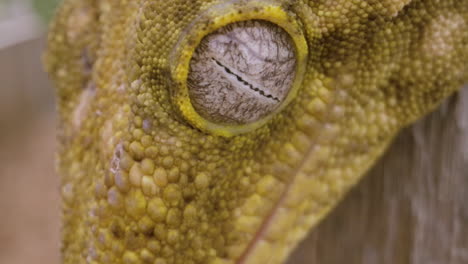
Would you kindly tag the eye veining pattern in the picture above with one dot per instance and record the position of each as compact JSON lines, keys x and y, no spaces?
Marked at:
{"x":242,"y":72}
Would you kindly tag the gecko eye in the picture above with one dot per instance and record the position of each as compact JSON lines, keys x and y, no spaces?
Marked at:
{"x":242,"y":72}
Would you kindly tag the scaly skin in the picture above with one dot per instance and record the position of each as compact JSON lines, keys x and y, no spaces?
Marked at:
{"x":141,"y":184}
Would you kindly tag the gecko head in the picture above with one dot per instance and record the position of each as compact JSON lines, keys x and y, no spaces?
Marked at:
{"x":220,"y":132}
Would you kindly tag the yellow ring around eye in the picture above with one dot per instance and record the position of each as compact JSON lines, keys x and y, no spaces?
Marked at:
{"x":213,"y":20}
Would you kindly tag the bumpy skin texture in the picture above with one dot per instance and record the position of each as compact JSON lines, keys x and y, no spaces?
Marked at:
{"x":143,"y":185}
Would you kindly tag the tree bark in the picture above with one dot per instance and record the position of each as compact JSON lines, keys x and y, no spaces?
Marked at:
{"x":412,"y":207}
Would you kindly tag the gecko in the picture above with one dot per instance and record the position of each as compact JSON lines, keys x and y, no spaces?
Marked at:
{"x":222,"y":131}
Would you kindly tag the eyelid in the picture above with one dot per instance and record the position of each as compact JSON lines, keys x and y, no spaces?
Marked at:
{"x":212,"y":20}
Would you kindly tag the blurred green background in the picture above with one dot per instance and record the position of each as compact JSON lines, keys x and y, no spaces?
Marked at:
{"x":45,"y":7}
